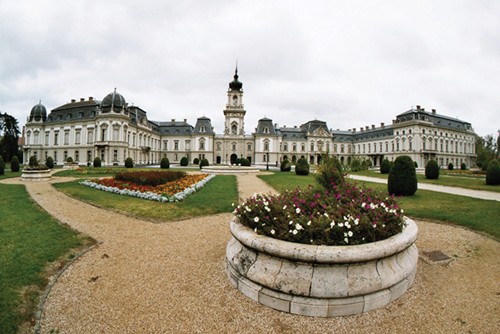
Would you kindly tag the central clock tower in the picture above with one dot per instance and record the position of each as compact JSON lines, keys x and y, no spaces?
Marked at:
{"x":234,"y":113}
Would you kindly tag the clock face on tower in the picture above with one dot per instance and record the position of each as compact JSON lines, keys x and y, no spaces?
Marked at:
{"x":235,"y":100}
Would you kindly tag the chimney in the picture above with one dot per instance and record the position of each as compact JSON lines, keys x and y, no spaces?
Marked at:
{"x":73,"y":100}
{"x":82,"y":99}
{"x":91,"y":98}
{"x":382,"y":125}
{"x":423,"y":109}
{"x":185,"y":120}
{"x":433,"y":111}
{"x":373,"y":126}
{"x":418,"y":107}
{"x":173,"y":120}
{"x":367,"y":127}
{"x":354,"y":130}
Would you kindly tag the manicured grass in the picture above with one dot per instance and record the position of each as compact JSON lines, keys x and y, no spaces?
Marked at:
{"x":89,"y":172}
{"x":215,"y":197}
{"x":476,"y":214}
{"x":468,"y":182}
{"x":9,"y":174}
{"x":30,"y":239}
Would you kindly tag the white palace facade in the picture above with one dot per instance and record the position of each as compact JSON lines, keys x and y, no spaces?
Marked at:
{"x":112,"y":130}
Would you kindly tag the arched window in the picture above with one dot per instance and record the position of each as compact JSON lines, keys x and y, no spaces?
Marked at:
{"x":266,"y":145}
{"x":202,"y":144}
{"x":234,"y":128}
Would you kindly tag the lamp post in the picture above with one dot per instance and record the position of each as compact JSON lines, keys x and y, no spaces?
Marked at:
{"x":267,"y":161}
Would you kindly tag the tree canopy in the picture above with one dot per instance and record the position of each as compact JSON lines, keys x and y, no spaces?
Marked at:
{"x":9,"y":136}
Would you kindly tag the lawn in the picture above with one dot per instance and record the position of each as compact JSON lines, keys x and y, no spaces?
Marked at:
{"x":215,"y":197}
{"x":30,"y":239}
{"x":445,"y":179}
{"x":479,"y":215}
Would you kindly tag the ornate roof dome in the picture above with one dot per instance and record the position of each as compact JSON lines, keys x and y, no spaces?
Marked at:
{"x":235,"y":84}
{"x":113,"y":101}
{"x":38,"y":112}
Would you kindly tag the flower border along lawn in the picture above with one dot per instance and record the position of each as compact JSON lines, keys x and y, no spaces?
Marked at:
{"x":476,"y":214}
{"x":215,"y":197}
{"x":30,"y":240}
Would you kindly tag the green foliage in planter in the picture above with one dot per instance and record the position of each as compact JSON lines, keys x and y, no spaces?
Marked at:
{"x":286,"y":166}
{"x":2,"y":166}
{"x":49,"y":162}
{"x":129,"y":163}
{"x":385,"y":166}
{"x":196,"y":161}
{"x":150,"y":178}
{"x":164,"y":163}
{"x":450,"y":166}
{"x":432,"y":170}
{"x":203,"y":163}
{"x":245,"y":162}
{"x":33,"y":161}
{"x":69,"y":160}
{"x":14,"y":164}
{"x":403,"y":177}
{"x":184,"y":161}
{"x":493,"y":173}
{"x":97,"y":162}
{"x":302,"y":167}
{"x":463,"y":166}
{"x":330,"y":174}
{"x":238,"y":161}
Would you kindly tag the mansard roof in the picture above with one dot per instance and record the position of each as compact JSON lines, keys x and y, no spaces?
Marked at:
{"x":175,"y":128}
{"x":433,"y":117}
{"x":203,"y":123}
{"x":263,"y":124}
{"x":311,"y":126}
{"x":81,"y":110}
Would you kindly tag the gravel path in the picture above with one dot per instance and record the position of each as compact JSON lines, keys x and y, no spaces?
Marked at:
{"x":169,"y":278}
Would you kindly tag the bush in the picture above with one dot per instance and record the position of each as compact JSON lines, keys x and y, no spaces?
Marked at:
{"x":69,"y":160}
{"x":14,"y":164}
{"x":196,"y":161}
{"x":286,"y":166}
{"x":245,"y":162}
{"x":164,"y":163}
{"x":385,"y":166}
{"x":366,"y":164}
{"x":356,"y":165}
{"x":150,"y":178}
{"x":330,"y":174}
{"x":204,"y":163}
{"x":238,"y":161}
{"x":49,"y":162}
{"x":33,"y":162}
{"x":184,"y":161}
{"x":97,"y":162}
{"x":450,"y":166}
{"x":432,"y":170}
{"x":463,"y":166}
{"x":129,"y":163}
{"x":493,"y":173}
{"x":403,"y":177}
{"x":2,"y":166}
{"x":302,"y":167}
{"x":416,"y":164}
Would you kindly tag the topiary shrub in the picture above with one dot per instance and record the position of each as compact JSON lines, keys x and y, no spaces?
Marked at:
{"x":14,"y":164}
{"x":416,"y":164}
{"x":493,"y":173}
{"x":403,"y":177}
{"x":302,"y":167}
{"x":49,"y":162}
{"x":97,"y":162}
{"x":463,"y":166}
{"x":196,"y":161}
{"x":129,"y":163}
{"x":245,"y":162}
{"x":184,"y":161}
{"x":2,"y":166}
{"x":385,"y":166}
{"x":33,"y":161}
{"x":450,"y":166}
{"x":165,"y":163}
{"x":285,"y":166}
{"x":330,"y":174}
{"x":432,"y":170}
{"x":69,"y":160}
{"x":203,"y":163}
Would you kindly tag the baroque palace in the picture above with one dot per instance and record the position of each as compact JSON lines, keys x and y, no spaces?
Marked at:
{"x":112,"y":130}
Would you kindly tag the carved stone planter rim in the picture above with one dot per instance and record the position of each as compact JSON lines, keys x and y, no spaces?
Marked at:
{"x":326,"y":254}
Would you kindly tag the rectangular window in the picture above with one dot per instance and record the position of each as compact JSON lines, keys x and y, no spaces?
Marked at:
{"x":56,"y":139}
{"x":249,"y":147}
{"x":188,"y":145}
{"x":90,"y":136}
{"x":66,"y":137}
{"x":176,"y":146}
{"x":89,"y":156}
{"x":55,"y":156}
{"x":46,"y":138}
{"x":65,"y":155}
{"x":77,"y":156}
{"x":77,"y":137}
{"x":165,"y":145}
{"x":115,"y":134}
{"x":103,"y":135}
{"x":115,"y":155}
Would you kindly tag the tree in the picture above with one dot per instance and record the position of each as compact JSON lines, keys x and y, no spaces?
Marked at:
{"x":9,"y":142}
{"x":486,"y":150}
{"x":402,"y":177}
{"x":14,"y":164}
{"x":493,"y":173}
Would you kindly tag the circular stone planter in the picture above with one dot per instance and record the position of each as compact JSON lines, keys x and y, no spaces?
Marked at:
{"x":35,"y":175}
{"x":323,"y":281}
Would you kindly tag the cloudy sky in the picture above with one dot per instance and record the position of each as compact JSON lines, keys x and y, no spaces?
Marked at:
{"x":349,"y":63}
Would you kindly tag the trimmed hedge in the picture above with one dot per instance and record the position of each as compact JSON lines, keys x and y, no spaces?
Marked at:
{"x":184,"y":161}
{"x":129,"y":163}
{"x":286,"y":166}
{"x":49,"y":162}
{"x":302,"y":167}
{"x":33,"y":161}
{"x":150,"y":178}
{"x":493,"y":173}
{"x":245,"y":162}
{"x":450,"y":166}
{"x":203,"y":163}
{"x":403,"y":177}
{"x":14,"y":164}
{"x":97,"y":162}
{"x":164,"y":163}
{"x":69,"y":160}
{"x":463,"y":166}
{"x":196,"y":161}
{"x":385,"y":166}
{"x":432,"y":170}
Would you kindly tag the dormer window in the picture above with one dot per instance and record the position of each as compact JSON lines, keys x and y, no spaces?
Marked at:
{"x":202,"y":129}
{"x":266,"y":130}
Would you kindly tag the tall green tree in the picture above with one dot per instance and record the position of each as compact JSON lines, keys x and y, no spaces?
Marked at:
{"x":9,"y":130}
{"x":486,"y":150}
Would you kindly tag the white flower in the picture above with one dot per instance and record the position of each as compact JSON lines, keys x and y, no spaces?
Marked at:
{"x":291,"y":222}
{"x":402,"y":211}
{"x":248,"y":209}
{"x":256,"y":219}
{"x":309,"y":223}
{"x":284,"y":207}
{"x":295,"y":232}
{"x":298,"y":227}
{"x":341,"y":224}
{"x":267,"y":209}
{"x":350,"y":233}
{"x":297,"y":210}
{"x":326,"y":215}
{"x":332,"y":224}
{"x":266,"y":203}
{"x":273,"y":231}
{"x":363,"y":204}
{"x":255,"y":230}
{"x":346,"y":240}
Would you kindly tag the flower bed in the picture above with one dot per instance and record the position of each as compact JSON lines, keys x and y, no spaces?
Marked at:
{"x":173,"y":191}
